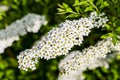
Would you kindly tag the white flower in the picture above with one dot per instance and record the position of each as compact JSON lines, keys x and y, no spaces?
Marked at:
{"x":60,"y":40}
{"x":29,"y":23}
{"x":90,"y":58}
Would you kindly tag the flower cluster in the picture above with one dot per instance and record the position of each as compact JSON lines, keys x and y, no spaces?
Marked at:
{"x":60,"y":40}
{"x":29,"y":23}
{"x":74,"y":64}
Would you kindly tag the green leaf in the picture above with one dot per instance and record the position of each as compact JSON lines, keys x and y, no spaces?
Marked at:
{"x":77,"y":9}
{"x":108,"y":27}
{"x":117,"y":29}
{"x":3,"y":65}
{"x":80,"y":3}
{"x":115,"y":73}
{"x":53,"y":67}
{"x":15,"y":7}
{"x":60,"y":9}
{"x":65,"y":5}
{"x":98,"y":73}
{"x":73,"y":16}
{"x":61,"y":12}
{"x":15,"y":1}
{"x":107,"y":35}
{"x":118,"y":56}
{"x":99,"y":2}
{"x":90,"y":8}
{"x":61,"y":6}
{"x":9,"y":72}
{"x":77,"y":1}
{"x":104,"y":69}
{"x":114,"y":40}
{"x":67,"y":8}
{"x":1,"y":74}
{"x":105,"y":4}
{"x":91,"y":0}
{"x":24,"y":2}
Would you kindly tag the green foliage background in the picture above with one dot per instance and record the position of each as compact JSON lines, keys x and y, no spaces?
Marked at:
{"x":48,"y":70}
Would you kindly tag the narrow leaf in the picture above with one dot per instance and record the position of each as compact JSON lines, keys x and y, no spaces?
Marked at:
{"x":108,"y":26}
{"x":105,"y":4}
{"x":90,"y":8}
{"x":61,"y":6}
{"x":107,"y":35}
{"x":80,"y":3}
{"x":73,"y":16}
{"x":99,"y":2}
{"x":76,"y":1}
{"x":65,"y":5}
{"x":117,"y":29}
{"x":60,"y":10}
{"x":67,"y":8}
{"x":77,"y":8}
{"x":114,"y":40}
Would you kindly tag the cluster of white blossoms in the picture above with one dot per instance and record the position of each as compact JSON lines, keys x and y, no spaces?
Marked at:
{"x":29,"y":23}
{"x":60,"y":40}
{"x":73,"y":65}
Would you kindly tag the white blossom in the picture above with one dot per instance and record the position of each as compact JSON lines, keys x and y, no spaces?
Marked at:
{"x":60,"y":40}
{"x":29,"y":23}
{"x":90,"y":58}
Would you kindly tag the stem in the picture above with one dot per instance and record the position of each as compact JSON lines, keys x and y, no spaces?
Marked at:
{"x":93,"y":5}
{"x":73,"y":12}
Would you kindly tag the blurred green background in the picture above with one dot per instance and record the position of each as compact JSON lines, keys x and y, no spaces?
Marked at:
{"x":46,"y":70}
